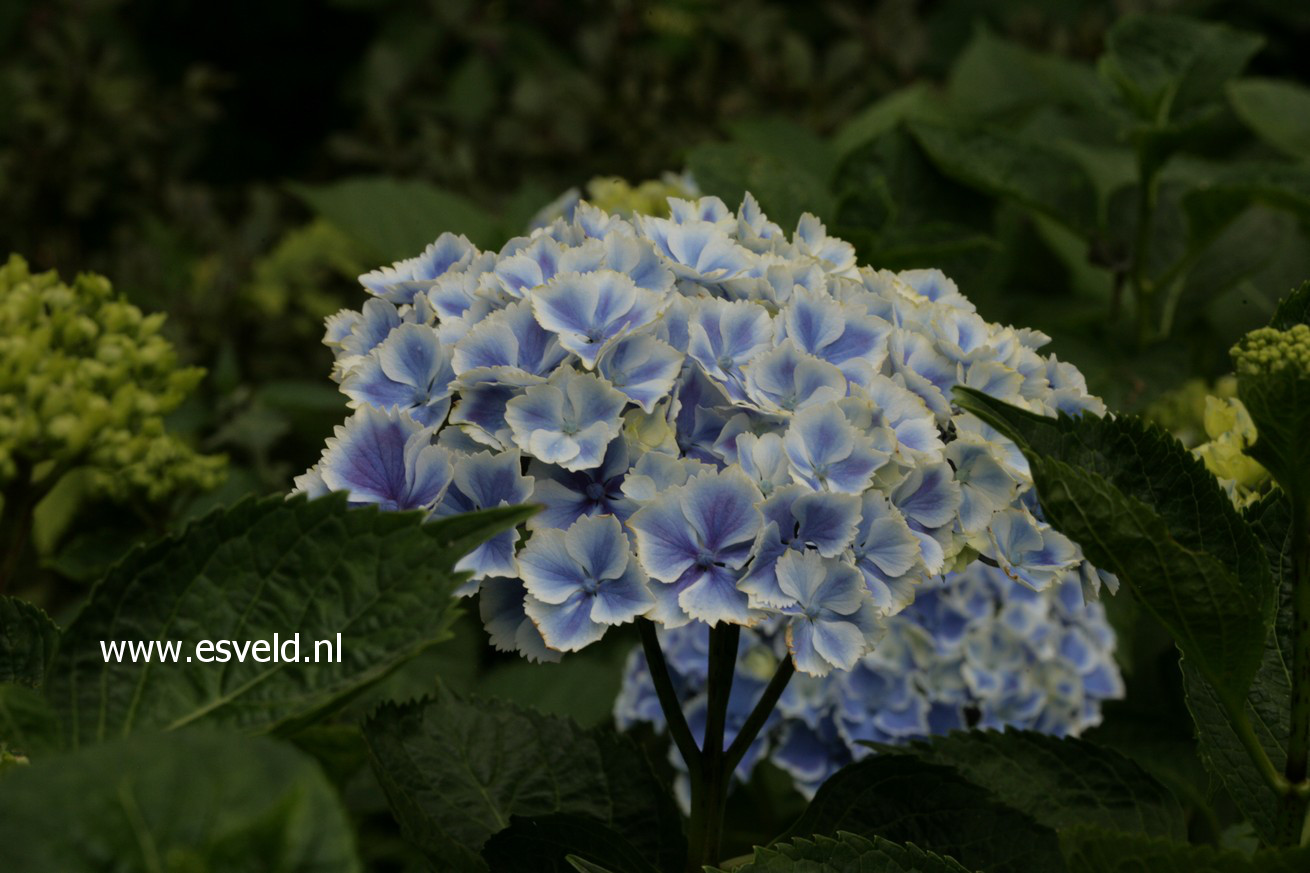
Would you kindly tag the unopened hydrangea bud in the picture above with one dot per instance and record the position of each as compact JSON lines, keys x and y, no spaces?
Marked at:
{"x":1271,"y":351}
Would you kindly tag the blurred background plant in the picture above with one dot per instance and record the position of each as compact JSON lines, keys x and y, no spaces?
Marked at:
{"x":1137,"y":187}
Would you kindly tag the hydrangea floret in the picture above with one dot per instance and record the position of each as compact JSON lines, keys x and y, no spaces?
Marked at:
{"x":733,"y":429}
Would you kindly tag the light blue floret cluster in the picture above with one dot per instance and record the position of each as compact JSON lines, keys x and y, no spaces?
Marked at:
{"x":974,"y":649}
{"x":723,"y":421}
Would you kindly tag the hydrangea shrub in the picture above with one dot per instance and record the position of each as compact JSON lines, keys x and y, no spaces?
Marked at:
{"x":724,"y":422}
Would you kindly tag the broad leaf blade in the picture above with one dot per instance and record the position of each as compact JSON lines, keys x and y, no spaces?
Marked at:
{"x":1268,"y":701}
{"x":456,"y":771}
{"x":194,"y":800}
{"x":903,"y":799}
{"x":397,"y":219}
{"x":555,"y":844}
{"x":1090,"y":850}
{"x":1060,"y":782}
{"x":1166,"y":65}
{"x":1143,"y":508}
{"x":847,"y":853}
{"x":27,"y":642}
{"x":1005,"y":165}
{"x":262,"y":567}
{"x":1278,"y":111}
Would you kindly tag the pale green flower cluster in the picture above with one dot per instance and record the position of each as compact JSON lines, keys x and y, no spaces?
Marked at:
{"x":85,"y":381}
{"x":650,"y":197}
{"x":1269,"y":350}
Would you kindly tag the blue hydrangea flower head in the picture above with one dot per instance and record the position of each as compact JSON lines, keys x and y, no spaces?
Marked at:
{"x":723,"y":421}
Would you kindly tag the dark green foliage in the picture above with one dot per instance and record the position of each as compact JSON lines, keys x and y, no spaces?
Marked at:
{"x":1061,"y":783}
{"x":905,"y":799}
{"x":848,"y":853}
{"x":1094,"y":851}
{"x":1266,"y":703}
{"x":314,"y":567}
{"x":185,"y":801}
{"x":457,"y":772}
{"x":27,"y":642}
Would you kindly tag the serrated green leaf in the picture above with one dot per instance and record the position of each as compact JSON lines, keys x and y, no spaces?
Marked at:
{"x":1165,"y":65}
{"x":1142,"y":507}
{"x":1277,"y":110}
{"x":1059,"y":781}
{"x":1006,"y":165}
{"x":556,"y":843}
{"x":847,"y":853}
{"x":1268,"y":701}
{"x":1293,"y":309}
{"x":187,"y":801}
{"x":456,"y":771}
{"x":27,"y":642}
{"x":906,"y":800}
{"x":383,"y":580}
{"x":397,"y":219}
{"x":994,"y":76}
{"x":1090,"y":850}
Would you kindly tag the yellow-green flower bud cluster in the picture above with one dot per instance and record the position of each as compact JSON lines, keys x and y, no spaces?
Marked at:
{"x":85,"y":380}
{"x":1269,"y":350}
{"x":650,"y":197}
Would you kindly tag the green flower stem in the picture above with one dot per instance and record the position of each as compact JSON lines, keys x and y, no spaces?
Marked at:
{"x":709,"y":798}
{"x":760,"y":714}
{"x":668,"y":697}
{"x":710,"y":767}
{"x":1295,"y":801}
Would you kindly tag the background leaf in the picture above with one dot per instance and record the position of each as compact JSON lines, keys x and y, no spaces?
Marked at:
{"x":27,"y":642}
{"x":1089,"y":850}
{"x":1165,"y":65}
{"x":848,"y":853}
{"x":1059,"y":781}
{"x":554,"y":844}
{"x":1006,"y":165}
{"x":907,"y":800}
{"x":1268,"y":702}
{"x":1277,"y":110}
{"x":381,"y":579}
{"x":456,"y":771}
{"x":187,"y":801}
{"x":397,"y":219}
